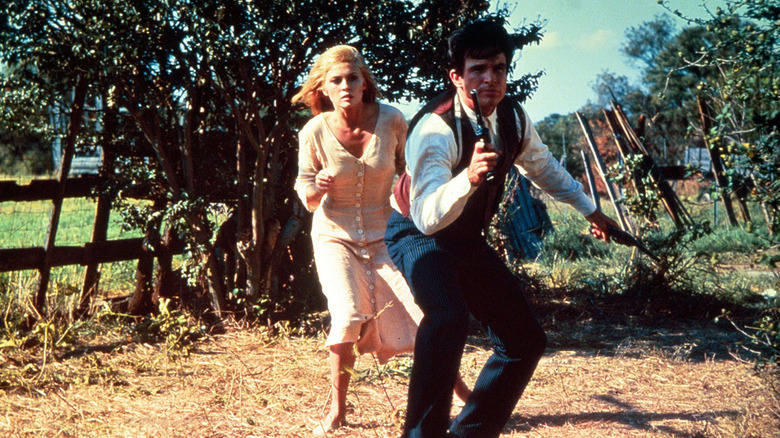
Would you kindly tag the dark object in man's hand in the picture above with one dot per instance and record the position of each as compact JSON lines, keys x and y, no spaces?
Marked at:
{"x":628,"y":239}
{"x":483,"y":133}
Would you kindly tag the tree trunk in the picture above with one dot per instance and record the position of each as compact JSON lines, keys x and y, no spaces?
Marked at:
{"x":141,"y":301}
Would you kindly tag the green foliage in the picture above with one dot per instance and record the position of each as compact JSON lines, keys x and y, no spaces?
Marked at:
{"x":562,"y":135}
{"x":746,"y":97}
{"x":632,"y":98}
{"x":570,"y":242}
{"x":613,"y":269}
{"x":172,"y":327}
{"x":765,"y":336}
{"x":645,"y":42}
{"x":641,"y":196}
{"x":259,"y":308}
{"x":25,"y":131}
{"x":400,"y":368}
{"x":675,"y":68}
{"x":732,"y":240}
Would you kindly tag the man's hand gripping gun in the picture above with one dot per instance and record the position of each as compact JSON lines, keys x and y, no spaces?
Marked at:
{"x":483,"y":133}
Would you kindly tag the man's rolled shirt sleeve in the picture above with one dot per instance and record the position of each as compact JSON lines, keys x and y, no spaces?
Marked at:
{"x":437,"y":197}
{"x":536,"y":163}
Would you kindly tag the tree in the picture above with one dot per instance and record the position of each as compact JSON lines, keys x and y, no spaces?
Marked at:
{"x":24,"y":133}
{"x":743,"y":92}
{"x":668,"y":92}
{"x":201,"y":93}
{"x":562,"y":133}
{"x":646,"y":41}
{"x":613,"y":88}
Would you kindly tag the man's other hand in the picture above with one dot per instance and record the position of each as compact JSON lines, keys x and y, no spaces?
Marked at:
{"x":600,"y":224}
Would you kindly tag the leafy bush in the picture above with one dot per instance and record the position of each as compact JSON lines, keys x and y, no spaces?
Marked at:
{"x":172,"y":327}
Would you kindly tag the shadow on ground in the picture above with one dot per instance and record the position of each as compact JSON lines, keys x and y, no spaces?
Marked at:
{"x":629,"y":417}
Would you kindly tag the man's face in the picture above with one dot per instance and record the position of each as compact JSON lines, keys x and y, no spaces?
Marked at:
{"x":487,"y":76}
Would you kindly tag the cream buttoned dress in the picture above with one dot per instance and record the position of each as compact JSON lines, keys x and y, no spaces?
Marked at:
{"x":368,"y":298}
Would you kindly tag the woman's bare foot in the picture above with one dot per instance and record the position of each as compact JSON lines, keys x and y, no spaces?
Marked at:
{"x":461,"y":391}
{"x":330,"y":423}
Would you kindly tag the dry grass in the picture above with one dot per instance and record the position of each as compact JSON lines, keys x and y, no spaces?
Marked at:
{"x":245,"y":384}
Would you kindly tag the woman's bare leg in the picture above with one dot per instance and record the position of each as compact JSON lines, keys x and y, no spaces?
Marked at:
{"x":462,"y":391}
{"x":342,"y":360}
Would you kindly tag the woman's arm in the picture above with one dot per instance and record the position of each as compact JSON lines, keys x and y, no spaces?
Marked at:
{"x":313,"y":181}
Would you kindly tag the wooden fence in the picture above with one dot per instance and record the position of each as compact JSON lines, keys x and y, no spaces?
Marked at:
{"x":629,"y":143}
{"x":96,"y":251}
{"x":91,"y":254}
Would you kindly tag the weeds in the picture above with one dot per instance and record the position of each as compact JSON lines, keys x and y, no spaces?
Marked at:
{"x":399,"y":367}
{"x":172,"y":327}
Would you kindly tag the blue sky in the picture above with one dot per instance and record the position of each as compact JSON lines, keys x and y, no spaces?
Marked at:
{"x":582,"y":38}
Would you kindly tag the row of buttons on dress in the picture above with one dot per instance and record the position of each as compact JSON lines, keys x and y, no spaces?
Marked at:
{"x":360,"y":224}
{"x":358,"y":205}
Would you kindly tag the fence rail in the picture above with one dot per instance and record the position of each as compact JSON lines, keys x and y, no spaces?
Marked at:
{"x":18,"y":259}
{"x":45,"y":189}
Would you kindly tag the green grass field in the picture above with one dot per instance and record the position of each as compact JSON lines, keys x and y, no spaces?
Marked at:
{"x":24,"y":225}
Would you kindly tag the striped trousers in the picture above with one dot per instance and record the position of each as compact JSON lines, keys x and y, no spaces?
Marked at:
{"x":450,"y":279}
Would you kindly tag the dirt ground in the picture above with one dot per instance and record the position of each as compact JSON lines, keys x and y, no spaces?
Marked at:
{"x":596,"y":380}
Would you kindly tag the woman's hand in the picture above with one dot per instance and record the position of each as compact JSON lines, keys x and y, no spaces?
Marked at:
{"x":323,"y":181}
{"x":314,"y":192}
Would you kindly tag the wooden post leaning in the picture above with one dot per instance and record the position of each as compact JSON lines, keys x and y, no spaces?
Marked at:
{"x":620,"y":212}
{"x":715,"y":159}
{"x":74,"y":126}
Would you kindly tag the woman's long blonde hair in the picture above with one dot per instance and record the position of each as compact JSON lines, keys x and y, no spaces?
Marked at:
{"x":318,"y":102}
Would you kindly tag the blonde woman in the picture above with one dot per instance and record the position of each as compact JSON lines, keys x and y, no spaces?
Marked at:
{"x":349,"y":153}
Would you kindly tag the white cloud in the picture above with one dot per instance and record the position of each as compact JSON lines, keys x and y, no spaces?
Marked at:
{"x":597,"y":40}
{"x":550,"y":41}
{"x":573,"y":4}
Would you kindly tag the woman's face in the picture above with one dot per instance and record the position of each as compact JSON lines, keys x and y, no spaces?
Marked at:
{"x":344,"y":85}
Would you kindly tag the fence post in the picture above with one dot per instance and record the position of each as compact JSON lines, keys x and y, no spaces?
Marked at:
{"x":141,"y":301}
{"x":717,"y":165}
{"x":594,"y":194}
{"x":633,"y":144}
{"x":74,"y":126}
{"x":102,"y":213}
{"x":622,"y":215}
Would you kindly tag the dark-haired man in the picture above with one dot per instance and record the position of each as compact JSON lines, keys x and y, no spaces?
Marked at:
{"x":436,"y":237}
